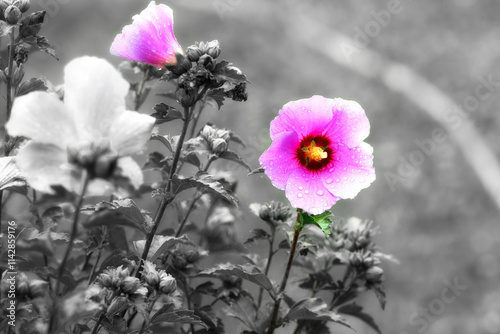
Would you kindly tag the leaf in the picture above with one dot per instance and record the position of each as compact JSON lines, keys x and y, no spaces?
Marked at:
{"x":159,"y":245}
{"x":118,"y":305}
{"x":217,"y":95}
{"x":33,"y":84}
{"x":257,"y":171}
{"x":165,"y":113}
{"x":191,"y":158}
{"x":10,"y":176}
{"x":380,"y":296}
{"x":169,"y":141}
{"x":243,"y":308}
{"x":356,"y":310}
{"x":45,"y":46}
{"x":248,"y":272}
{"x":122,"y":212}
{"x":256,"y":234}
{"x":227,"y":72}
{"x":233,"y":156}
{"x":168,"y":313}
{"x":314,"y":309}
{"x":322,"y":220}
{"x":204,"y":181}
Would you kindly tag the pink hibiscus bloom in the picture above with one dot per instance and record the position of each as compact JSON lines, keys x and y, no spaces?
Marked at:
{"x":150,"y":38}
{"x":318,"y":155}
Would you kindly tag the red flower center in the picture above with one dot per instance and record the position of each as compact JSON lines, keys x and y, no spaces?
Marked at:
{"x":314,"y":152}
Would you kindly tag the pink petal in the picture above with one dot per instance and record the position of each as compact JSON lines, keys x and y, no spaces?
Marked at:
{"x":306,"y":117}
{"x":352,"y":171}
{"x":95,"y":91}
{"x":130,"y":132}
{"x":305,"y":190}
{"x":150,"y":38}
{"x":279,"y":160}
{"x":42,"y":117}
{"x":45,"y":165}
{"x":349,"y":124}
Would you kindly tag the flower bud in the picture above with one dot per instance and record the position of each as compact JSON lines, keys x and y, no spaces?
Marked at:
{"x":18,"y":74}
{"x":152,"y":278}
{"x":105,"y":280}
{"x":374,"y":275}
{"x":3,"y":6}
{"x":186,"y":99}
{"x":12,"y":14}
{"x":23,"y":5}
{"x":130,"y":285}
{"x":180,"y":262}
{"x":213,"y":48}
{"x":219,"y":146}
{"x":194,"y":53}
{"x":192,"y":255}
{"x":207,"y":61}
{"x":32,"y":24}
{"x":167,"y":283}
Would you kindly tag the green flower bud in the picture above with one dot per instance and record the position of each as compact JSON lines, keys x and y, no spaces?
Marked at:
{"x":18,"y":76}
{"x":23,"y":5}
{"x":130,"y":285}
{"x":105,"y":280}
{"x":32,"y":24}
{"x":12,"y":14}
{"x":213,"y":49}
{"x":374,"y":275}
{"x":194,"y":53}
{"x":180,"y":262}
{"x":167,"y":283}
{"x":207,"y":61}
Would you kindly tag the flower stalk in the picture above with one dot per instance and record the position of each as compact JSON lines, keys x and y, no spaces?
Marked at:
{"x":298,"y":228}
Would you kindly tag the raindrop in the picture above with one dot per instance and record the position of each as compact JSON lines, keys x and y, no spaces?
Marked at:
{"x":300,"y":195}
{"x":300,"y":188}
{"x":320,"y":192}
{"x":329,"y":181}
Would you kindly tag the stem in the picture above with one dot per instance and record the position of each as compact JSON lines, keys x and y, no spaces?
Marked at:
{"x":99,"y":253}
{"x":298,"y":228}
{"x":165,"y":200}
{"x":98,"y":323}
{"x":148,"y":311}
{"x":10,"y":98}
{"x":195,"y":121}
{"x":268,"y":266}
{"x":74,"y":231}
{"x":139,"y":99}
{"x":184,"y":220}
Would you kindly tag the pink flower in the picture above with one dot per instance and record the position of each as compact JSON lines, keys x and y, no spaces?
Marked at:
{"x":318,"y":155}
{"x":90,"y":132}
{"x":150,"y":38}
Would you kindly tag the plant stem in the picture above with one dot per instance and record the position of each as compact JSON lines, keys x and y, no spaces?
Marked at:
{"x":184,"y":220}
{"x":165,"y":199}
{"x":268,"y":266}
{"x":98,"y":323}
{"x":72,"y":237}
{"x":148,"y":311}
{"x":298,"y":228}
{"x":139,"y":99}
{"x":195,"y":120}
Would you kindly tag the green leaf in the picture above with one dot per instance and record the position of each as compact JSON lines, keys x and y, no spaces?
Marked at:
{"x":170,"y":142}
{"x":314,"y":309}
{"x":32,"y":85}
{"x":322,"y":220}
{"x":168,"y":313}
{"x":247,"y":272}
{"x":217,"y":95}
{"x":227,"y":72}
{"x":45,"y":46}
{"x":165,"y":113}
{"x":159,"y":245}
{"x":10,"y":176}
{"x":122,"y":212}
{"x":204,"y":181}
{"x":243,"y":308}
{"x":356,"y":310}
{"x":233,"y":156}
{"x":257,"y":171}
{"x":256,"y":234}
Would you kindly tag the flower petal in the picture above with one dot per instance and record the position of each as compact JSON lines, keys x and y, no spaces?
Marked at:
{"x":45,"y":165}
{"x":42,"y":117}
{"x":349,"y":124}
{"x":130,"y":132}
{"x":150,"y":38}
{"x":94,"y":91}
{"x":305,"y":190}
{"x":279,"y":161}
{"x":130,"y":170}
{"x":351,"y":172}
{"x":306,"y":117}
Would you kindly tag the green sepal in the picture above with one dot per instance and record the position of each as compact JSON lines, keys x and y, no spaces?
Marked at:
{"x":322,"y":220}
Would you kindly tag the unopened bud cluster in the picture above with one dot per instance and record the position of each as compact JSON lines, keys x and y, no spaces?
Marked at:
{"x":217,"y":140}
{"x":273,"y":213}
{"x":26,"y":288}
{"x":158,"y":280}
{"x":119,"y":280}
{"x":12,"y":11}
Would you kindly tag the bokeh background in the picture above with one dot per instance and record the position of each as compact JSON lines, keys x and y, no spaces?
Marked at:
{"x":437,"y":207}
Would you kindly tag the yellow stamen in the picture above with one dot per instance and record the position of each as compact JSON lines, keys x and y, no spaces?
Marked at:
{"x":315,"y":153}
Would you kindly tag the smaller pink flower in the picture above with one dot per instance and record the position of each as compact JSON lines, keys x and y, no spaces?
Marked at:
{"x":150,"y":38}
{"x":318,"y":155}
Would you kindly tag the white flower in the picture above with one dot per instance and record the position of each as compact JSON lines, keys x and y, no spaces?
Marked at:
{"x":91,"y":131}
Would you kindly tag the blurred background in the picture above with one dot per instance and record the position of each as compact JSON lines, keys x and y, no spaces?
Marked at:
{"x":411,"y":65}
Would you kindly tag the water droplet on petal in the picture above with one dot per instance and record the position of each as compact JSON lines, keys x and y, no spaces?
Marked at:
{"x":329,"y":181}
{"x":300,"y":188}
{"x":299,"y":195}
{"x":320,"y":192}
